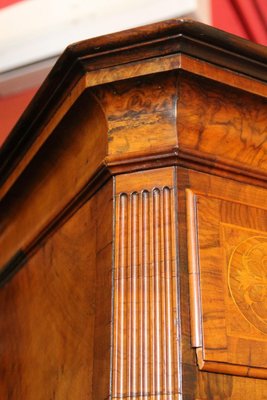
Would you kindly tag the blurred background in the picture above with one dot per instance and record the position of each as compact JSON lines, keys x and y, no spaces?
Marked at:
{"x":33,"y":33}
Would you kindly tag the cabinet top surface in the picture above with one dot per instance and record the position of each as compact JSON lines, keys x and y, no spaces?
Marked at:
{"x":151,"y":42}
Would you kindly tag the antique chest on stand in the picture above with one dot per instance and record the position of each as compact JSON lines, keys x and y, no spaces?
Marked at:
{"x":133,"y":261}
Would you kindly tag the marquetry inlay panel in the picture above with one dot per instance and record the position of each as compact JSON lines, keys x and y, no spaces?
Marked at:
{"x":247,"y":280}
{"x":227,"y":243}
{"x":145,"y":356}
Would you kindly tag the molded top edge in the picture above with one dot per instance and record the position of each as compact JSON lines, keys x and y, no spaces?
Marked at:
{"x":172,"y":27}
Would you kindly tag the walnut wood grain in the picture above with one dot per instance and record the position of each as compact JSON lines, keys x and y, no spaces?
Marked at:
{"x":131,"y":132}
{"x":55,"y":325}
{"x":234,"y":276}
{"x":230,"y":252}
{"x":133,"y":222}
{"x":156,"y":42}
{"x":237,"y":205}
{"x":222,"y":125}
{"x":62,"y":169}
{"x":145,"y":356}
{"x":193,"y":269}
{"x":140,"y":112}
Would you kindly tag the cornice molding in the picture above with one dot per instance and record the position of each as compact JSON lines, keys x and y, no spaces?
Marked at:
{"x":172,"y":37}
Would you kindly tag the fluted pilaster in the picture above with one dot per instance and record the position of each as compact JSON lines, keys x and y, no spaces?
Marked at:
{"x":145,"y":356}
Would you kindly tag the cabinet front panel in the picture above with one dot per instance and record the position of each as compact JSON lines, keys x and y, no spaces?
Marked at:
{"x":226,"y":225}
{"x":230,"y":267}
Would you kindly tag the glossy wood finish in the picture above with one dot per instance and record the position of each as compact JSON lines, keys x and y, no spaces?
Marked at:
{"x":145,"y":342}
{"x":55,"y":315}
{"x":211,"y":307}
{"x":139,"y":107}
{"x":68,"y":146}
{"x":230,"y":128}
{"x":228,"y":265}
{"x":133,"y":222}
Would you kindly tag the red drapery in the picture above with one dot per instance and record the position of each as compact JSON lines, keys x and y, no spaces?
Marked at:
{"x":246,"y":18}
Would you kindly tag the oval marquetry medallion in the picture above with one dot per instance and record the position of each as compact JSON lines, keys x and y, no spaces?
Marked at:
{"x":247,"y":280}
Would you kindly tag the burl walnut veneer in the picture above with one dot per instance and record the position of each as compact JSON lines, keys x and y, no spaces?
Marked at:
{"x":134,"y":222}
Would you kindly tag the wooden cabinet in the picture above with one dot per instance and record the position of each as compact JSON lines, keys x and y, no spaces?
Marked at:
{"x":134,"y":222}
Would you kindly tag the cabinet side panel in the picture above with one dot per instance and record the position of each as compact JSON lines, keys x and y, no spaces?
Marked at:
{"x":60,"y":170}
{"x":48,"y":311}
